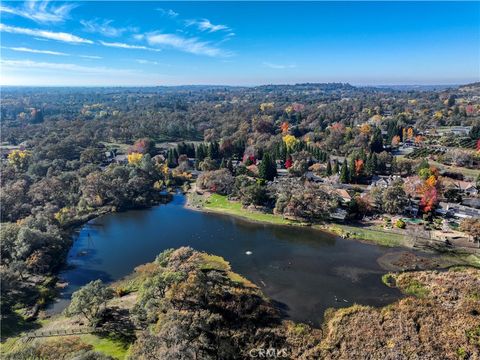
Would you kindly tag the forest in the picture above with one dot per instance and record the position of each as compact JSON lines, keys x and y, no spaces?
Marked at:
{"x":302,"y":152}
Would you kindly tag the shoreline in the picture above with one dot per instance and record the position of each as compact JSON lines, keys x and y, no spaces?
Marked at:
{"x":451,"y":257}
{"x":55,"y":282}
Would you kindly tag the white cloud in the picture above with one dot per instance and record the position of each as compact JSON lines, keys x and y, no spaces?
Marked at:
{"x":35,"y":51}
{"x":168,"y":12}
{"x":94,"y":57}
{"x":190,"y":45}
{"x":206,"y":25}
{"x":28,"y":64}
{"x":59,"y":36}
{"x":146,"y":62}
{"x":279,"y":66}
{"x":40,"y":11}
{"x":127,"y":46}
{"x":104,"y":27}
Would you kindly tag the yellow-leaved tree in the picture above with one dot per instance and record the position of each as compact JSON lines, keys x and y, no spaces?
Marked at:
{"x":19,"y":158}
{"x":290,"y":141}
{"x":134,"y":158}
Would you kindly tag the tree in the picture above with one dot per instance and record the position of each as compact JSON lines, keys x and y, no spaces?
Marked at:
{"x":376,"y":144}
{"x":344,"y":173}
{"x":134,"y":158}
{"x":253,"y":193}
{"x":395,"y":141}
{"x":329,"y":168}
{"x":200,"y":153}
{"x":394,"y":198}
{"x":143,"y":146}
{"x":288,"y":162}
{"x":218,"y":181}
{"x":171,"y":159}
{"x":472,"y":228}
{"x":335,"y":167}
{"x":310,"y":202}
{"x":290,"y":141}
{"x":230,"y":166}
{"x":19,"y":158}
{"x":90,"y":301}
{"x":223,"y":164}
{"x":213,"y":150}
{"x":267,"y":169}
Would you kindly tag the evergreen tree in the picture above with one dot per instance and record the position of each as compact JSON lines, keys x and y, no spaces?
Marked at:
{"x":369,"y":167}
{"x":351,"y":170}
{"x":393,"y":165}
{"x":374,"y":163}
{"x":213,"y":151}
{"x":230,"y":166}
{"x":376,"y":144}
{"x":335,"y":167}
{"x":171,"y":158}
{"x":329,"y":168}
{"x":200,"y":153}
{"x":344,"y":173}
{"x":267,"y":169}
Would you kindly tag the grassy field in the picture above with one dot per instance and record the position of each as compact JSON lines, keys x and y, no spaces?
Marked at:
{"x":221,"y":204}
{"x":369,"y":234}
{"x":107,"y":346}
{"x":472,"y":173}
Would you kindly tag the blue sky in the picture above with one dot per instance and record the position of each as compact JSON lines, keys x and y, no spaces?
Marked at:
{"x":238,"y":43}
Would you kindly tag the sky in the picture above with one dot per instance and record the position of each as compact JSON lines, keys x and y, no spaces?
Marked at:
{"x":123,"y":43}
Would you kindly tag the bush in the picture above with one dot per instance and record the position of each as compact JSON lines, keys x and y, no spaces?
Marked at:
{"x":400,"y":224}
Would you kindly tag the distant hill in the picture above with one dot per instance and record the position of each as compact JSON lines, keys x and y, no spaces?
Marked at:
{"x":473,"y":87}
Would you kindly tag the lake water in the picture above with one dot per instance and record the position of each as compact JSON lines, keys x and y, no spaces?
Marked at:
{"x":304,"y":270}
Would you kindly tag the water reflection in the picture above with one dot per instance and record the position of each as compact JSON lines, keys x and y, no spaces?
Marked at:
{"x":303,"y":269}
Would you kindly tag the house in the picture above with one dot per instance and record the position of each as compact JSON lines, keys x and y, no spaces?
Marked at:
{"x":282,"y":172}
{"x":412,"y":208}
{"x":310,"y":176}
{"x":467,"y":187}
{"x":195,"y":173}
{"x":458,"y":130}
{"x":458,"y":211}
{"x":344,"y":195}
{"x":120,"y":159}
{"x":339,"y":214}
{"x":382,"y":181}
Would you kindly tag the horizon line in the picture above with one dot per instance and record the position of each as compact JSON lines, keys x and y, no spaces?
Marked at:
{"x":240,"y":86}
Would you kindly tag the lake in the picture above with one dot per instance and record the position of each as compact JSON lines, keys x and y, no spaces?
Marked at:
{"x":305,"y":270}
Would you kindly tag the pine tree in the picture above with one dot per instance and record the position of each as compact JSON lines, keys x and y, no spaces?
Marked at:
{"x":344,"y":173}
{"x":329,"y":168}
{"x":369,"y":167}
{"x":171,"y":158}
{"x":267,"y":169}
{"x":223,"y":164}
{"x":200,"y":153}
{"x":335,"y":167}
{"x":374,"y":163}
{"x":376,"y":145}
{"x":351,"y":170}
{"x":393,"y":165}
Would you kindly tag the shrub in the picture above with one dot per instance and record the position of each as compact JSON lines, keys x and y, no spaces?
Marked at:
{"x":400,"y":224}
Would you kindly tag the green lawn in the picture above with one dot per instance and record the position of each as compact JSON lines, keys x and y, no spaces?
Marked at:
{"x":113,"y":348}
{"x":220,"y":203}
{"x":473,"y":173}
{"x":369,"y":234}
